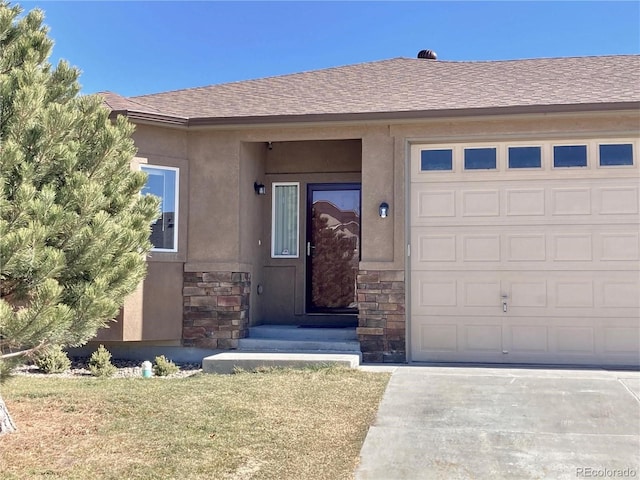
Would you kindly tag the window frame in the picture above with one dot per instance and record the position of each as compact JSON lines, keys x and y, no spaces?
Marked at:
{"x":612,"y":143}
{"x":436,"y":149}
{"x":274,"y":186}
{"x":561,"y":145}
{"x":509,"y":146}
{"x":480,"y":147}
{"x":176,"y":201}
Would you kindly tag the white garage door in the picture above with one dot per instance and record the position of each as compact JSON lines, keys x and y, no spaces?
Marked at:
{"x":525,"y":253}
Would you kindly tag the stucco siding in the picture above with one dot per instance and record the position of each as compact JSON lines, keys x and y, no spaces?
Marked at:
{"x":214,"y":210}
{"x":162,"y":305}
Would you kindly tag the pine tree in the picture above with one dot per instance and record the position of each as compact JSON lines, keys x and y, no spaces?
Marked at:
{"x":74,"y":229}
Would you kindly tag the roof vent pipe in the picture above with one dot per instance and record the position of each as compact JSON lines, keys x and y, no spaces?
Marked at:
{"x":427,"y":54}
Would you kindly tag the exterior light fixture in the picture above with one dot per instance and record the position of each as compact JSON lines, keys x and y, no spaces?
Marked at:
{"x":383,"y":211}
{"x":259,"y":188}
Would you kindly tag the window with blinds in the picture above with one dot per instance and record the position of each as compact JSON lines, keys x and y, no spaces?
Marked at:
{"x":285,"y":220}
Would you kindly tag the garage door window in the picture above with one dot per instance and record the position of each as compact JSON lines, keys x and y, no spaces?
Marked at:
{"x":479,"y":158}
{"x":525,"y":157}
{"x":570,"y":156}
{"x":616,"y":154}
{"x":436,"y":160}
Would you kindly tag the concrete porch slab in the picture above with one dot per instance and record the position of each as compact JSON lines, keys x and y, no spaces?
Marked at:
{"x":226,"y":362}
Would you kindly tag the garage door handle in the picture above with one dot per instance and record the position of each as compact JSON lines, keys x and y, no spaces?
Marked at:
{"x":504,"y":303}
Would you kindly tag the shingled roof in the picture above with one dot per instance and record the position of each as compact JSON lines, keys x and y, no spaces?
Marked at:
{"x":402,"y":88}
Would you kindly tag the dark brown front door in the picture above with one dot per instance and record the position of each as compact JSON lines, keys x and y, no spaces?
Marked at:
{"x":333,"y":247}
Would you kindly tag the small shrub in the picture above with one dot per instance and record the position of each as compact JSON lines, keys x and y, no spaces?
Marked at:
{"x":53,"y":360}
{"x":100,"y":363}
{"x":163,"y":366}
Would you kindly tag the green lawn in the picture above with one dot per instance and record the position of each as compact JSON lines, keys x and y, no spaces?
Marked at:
{"x":276,"y":424}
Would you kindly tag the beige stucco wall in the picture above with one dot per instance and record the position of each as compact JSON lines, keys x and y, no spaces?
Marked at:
{"x":214,"y":225}
{"x":223,"y":225}
{"x":252,"y":209}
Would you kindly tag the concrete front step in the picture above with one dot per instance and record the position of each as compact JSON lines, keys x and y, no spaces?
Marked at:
{"x":294,"y":332}
{"x":228,"y":362}
{"x":272,"y":345}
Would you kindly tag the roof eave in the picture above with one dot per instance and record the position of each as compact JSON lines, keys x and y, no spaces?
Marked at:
{"x":151,"y":117}
{"x":170,"y":120}
{"x":413,"y":114}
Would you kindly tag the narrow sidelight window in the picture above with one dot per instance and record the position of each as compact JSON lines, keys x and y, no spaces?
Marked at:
{"x":285,"y":220}
{"x":163,"y":183}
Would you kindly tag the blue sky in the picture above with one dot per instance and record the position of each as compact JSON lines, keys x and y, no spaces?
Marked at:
{"x":139,"y":47}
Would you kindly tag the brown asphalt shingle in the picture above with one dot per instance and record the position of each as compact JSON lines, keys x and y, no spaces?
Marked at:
{"x":407,"y":85}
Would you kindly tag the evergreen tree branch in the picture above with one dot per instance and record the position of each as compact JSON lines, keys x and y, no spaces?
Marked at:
{"x":23,"y":353}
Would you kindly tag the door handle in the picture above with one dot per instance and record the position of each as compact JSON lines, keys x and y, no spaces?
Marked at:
{"x":309,"y":247}
{"x":504,"y":303}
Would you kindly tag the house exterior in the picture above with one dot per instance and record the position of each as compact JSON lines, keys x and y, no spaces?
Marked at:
{"x":451,"y":211}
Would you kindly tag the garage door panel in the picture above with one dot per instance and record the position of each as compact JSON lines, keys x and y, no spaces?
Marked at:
{"x":618,"y":200}
{"x":483,"y":337}
{"x":483,"y":292}
{"x":458,"y":335}
{"x":436,"y":248}
{"x":619,"y":246}
{"x":620,"y":294}
{"x":449,"y":293}
{"x":528,"y":338}
{"x":481,"y":247}
{"x":574,"y":293}
{"x":437,"y":337}
{"x":528,"y":293}
{"x":558,"y":293}
{"x":621,"y":340}
{"x":480,"y":203}
{"x":496,"y":247}
{"x":433,"y":292}
{"x":539,"y":201}
{"x":526,"y":247}
{"x":431,"y":205}
{"x":571,"y":340}
{"x":572,"y":247}
{"x":525,"y":201}
{"x":525,"y":265}
{"x":571,"y":201}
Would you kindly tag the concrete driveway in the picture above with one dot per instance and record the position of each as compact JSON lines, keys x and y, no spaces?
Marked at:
{"x":493,"y":423}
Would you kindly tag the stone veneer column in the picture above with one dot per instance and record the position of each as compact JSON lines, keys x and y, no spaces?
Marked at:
{"x":216,"y":309}
{"x":381,"y":317}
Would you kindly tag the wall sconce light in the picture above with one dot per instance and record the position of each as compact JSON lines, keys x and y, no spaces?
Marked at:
{"x":269,"y":145}
{"x":383,"y":211}
{"x":259,"y":188}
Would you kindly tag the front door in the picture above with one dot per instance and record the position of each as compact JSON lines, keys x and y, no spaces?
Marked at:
{"x":333,"y":247}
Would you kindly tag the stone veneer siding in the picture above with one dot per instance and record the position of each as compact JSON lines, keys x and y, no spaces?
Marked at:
{"x":381,"y":317}
{"x":216,"y":309}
